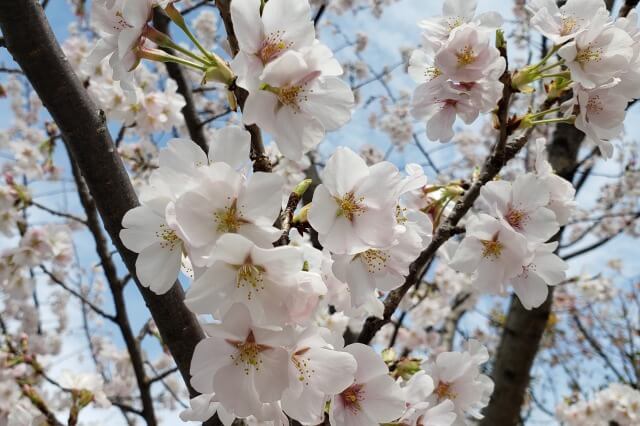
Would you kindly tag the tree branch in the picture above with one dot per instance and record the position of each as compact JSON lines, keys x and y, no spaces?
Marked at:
{"x":493,"y":165}
{"x":82,"y":299}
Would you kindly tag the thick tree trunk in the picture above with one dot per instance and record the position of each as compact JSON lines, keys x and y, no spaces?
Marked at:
{"x":31,"y":42}
{"x":523,"y":329}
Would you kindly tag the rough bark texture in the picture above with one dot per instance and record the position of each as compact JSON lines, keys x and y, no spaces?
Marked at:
{"x":523,"y":329}
{"x":31,"y":42}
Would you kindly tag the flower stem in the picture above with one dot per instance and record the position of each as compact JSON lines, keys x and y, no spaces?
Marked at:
{"x":178,"y":19}
{"x":548,"y":67}
{"x":162,"y":56}
{"x":543,"y":113}
{"x":567,"y":120}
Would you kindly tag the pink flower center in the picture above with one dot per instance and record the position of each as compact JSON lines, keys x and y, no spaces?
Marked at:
{"x":516,"y":218}
{"x":352,"y":396}
{"x":272,"y":47}
{"x":350,"y":206}
{"x":492,"y":248}
{"x":466,"y":56}
{"x":444,"y":391}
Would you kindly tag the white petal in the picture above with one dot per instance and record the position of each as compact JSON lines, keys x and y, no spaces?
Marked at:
{"x":247,"y":24}
{"x":343,"y":171}
{"x":370,"y":364}
{"x":158,"y":267}
{"x":230,"y":145}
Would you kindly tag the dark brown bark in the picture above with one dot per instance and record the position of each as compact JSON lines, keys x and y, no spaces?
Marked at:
{"x":32,"y":44}
{"x":524,"y":329}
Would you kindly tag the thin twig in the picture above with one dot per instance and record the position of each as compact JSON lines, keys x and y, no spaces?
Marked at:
{"x":83,"y":299}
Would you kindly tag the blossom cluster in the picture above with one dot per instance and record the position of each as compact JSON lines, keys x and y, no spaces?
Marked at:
{"x":149,"y":109}
{"x":616,"y":404}
{"x":458,"y":68}
{"x":295,"y":92}
{"x":281,"y":299}
{"x":599,"y":56}
{"x":506,"y":241}
{"x":210,"y":217}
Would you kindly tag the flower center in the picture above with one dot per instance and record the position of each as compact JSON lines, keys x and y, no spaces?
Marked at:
{"x":532,"y":267}
{"x":594,"y":105}
{"x":303,"y":365}
{"x":516,"y":218}
{"x":376,"y":260}
{"x":228,"y":219}
{"x":349,"y":206}
{"x":121,"y":23}
{"x":569,"y":24}
{"x":432,"y":73}
{"x":454,"y":22}
{"x":466,"y":57}
{"x":444,"y":391}
{"x":290,"y":95}
{"x":352,"y":396}
{"x":272,"y":47}
{"x":248,"y":353}
{"x":169,"y":239}
{"x":250,"y":277}
{"x":492,"y":248}
{"x":590,"y":54}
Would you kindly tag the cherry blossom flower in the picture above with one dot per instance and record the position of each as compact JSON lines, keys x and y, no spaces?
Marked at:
{"x":457,"y":378}
{"x":599,"y":53}
{"x":629,"y":84}
{"x":147,"y":232}
{"x":316,"y":370}
{"x":601,"y":115}
{"x":522,"y":206}
{"x":373,"y":398}
{"x":422,"y":68}
{"x":561,"y":24}
{"x":561,"y":192}
{"x":354,"y":208}
{"x":469,"y":55}
{"x":284,"y":25}
{"x":297,"y":102}
{"x":384,"y":269}
{"x":420,"y":411}
{"x":203,"y":407}
{"x":439,"y":105}
{"x":225,"y":202}
{"x":230,"y":144}
{"x":242,"y":272}
{"x":616,"y":404}
{"x":545,"y":269}
{"x":86,"y":381}
{"x":455,"y":13}
{"x":240,"y":358}
{"x":493,"y":250}
{"x":121,"y":24}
